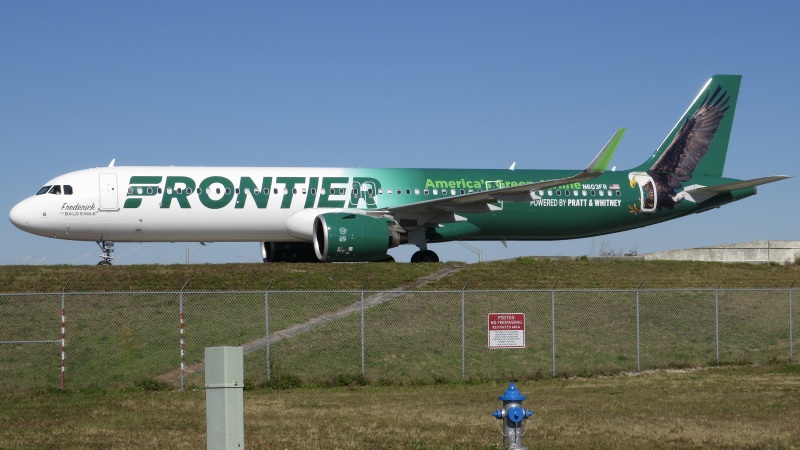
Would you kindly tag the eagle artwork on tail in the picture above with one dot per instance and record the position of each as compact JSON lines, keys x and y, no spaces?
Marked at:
{"x":680,"y":159}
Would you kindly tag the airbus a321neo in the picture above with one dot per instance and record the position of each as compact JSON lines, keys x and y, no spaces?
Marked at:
{"x":340,"y":214}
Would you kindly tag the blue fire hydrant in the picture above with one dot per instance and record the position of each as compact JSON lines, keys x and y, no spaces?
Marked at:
{"x":512,"y":414}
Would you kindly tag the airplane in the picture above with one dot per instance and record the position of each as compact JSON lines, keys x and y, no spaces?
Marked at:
{"x":305,"y":214}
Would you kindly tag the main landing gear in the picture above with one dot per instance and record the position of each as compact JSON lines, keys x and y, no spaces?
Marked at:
{"x":107,"y":247}
{"x":417,"y":237}
{"x":425,"y":256}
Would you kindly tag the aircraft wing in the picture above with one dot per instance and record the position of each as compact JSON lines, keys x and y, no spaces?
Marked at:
{"x":699,"y":194}
{"x":445,"y":209}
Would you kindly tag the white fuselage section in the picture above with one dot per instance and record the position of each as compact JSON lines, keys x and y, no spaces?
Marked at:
{"x":169,"y":204}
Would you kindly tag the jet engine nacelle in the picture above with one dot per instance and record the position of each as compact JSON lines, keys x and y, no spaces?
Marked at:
{"x":354,"y":237}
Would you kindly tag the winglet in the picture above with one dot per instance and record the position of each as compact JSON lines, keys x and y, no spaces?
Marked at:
{"x":111,"y":164}
{"x":603,"y":159}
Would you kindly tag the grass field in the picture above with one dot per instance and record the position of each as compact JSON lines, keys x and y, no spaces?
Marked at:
{"x":413,"y":397}
{"x":520,"y":273}
{"x":752,"y":407}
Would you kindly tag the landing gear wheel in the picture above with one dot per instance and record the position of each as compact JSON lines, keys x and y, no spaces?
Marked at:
{"x":107,"y":247}
{"x":425,"y":256}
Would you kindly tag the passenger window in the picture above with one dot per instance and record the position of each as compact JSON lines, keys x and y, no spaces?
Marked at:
{"x":566,"y":192}
{"x":408,"y":191}
{"x":619,"y":193}
{"x":399,"y":192}
{"x":558,"y":192}
{"x":130,"y":190}
{"x":591,"y":192}
{"x":416,"y":191}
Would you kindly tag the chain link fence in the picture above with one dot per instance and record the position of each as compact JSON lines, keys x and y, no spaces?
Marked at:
{"x":330,"y":337}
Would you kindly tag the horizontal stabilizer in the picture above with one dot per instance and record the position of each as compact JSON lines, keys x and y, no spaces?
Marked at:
{"x":699,"y":194}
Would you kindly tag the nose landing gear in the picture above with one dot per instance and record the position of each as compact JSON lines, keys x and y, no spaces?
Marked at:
{"x":107,"y":247}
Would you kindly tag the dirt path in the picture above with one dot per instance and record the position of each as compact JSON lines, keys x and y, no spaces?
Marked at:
{"x":173,"y":377}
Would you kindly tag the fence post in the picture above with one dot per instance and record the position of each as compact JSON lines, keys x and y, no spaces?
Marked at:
{"x":64,"y":336}
{"x":463,"y":335}
{"x":791,"y":336}
{"x":553,"y":323}
{"x":716,"y":316}
{"x":266,"y":333}
{"x":638,"y":328}
{"x":183,"y":353}
{"x":363,"y":356}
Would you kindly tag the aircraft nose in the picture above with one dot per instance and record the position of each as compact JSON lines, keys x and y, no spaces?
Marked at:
{"x":19,"y":216}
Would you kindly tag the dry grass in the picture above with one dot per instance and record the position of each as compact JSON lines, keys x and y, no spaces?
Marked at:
{"x":520,"y":273}
{"x":731,"y":407}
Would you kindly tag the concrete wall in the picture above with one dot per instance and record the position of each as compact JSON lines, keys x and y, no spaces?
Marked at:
{"x":755,"y":251}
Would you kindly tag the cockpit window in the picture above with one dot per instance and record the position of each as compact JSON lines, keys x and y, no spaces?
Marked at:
{"x":56,"y":189}
{"x":67,"y":189}
{"x":43,"y":190}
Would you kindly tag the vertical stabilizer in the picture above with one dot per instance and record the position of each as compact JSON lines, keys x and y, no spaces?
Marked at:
{"x":699,"y":141}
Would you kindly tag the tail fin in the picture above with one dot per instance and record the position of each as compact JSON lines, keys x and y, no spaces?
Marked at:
{"x":689,"y":139}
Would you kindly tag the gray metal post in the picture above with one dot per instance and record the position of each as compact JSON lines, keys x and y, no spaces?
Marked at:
{"x":224,"y":397}
{"x":363,"y":356}
{"x":463,"y":336}
{"x":791,"y":337}
{"x":716,"y":317}
{"x":64,"y":337}
{"x":638,"y":327}
{"x":553,"y":323}
{"x":266,"y":333}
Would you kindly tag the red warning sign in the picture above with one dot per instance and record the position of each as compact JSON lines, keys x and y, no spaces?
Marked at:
{"x":506,"y":330}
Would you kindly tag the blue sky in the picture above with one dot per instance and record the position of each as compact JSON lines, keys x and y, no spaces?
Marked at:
{"x":390,"y":84}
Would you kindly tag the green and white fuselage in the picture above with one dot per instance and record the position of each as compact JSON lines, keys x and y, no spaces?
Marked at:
{"x":357,"y":214}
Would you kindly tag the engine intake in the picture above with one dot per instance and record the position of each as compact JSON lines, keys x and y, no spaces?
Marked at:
{"x":354,"y":237}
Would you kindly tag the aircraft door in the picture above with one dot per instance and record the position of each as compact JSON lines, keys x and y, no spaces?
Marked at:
{"x":647,"y":194}
{"x":109,"y":200}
